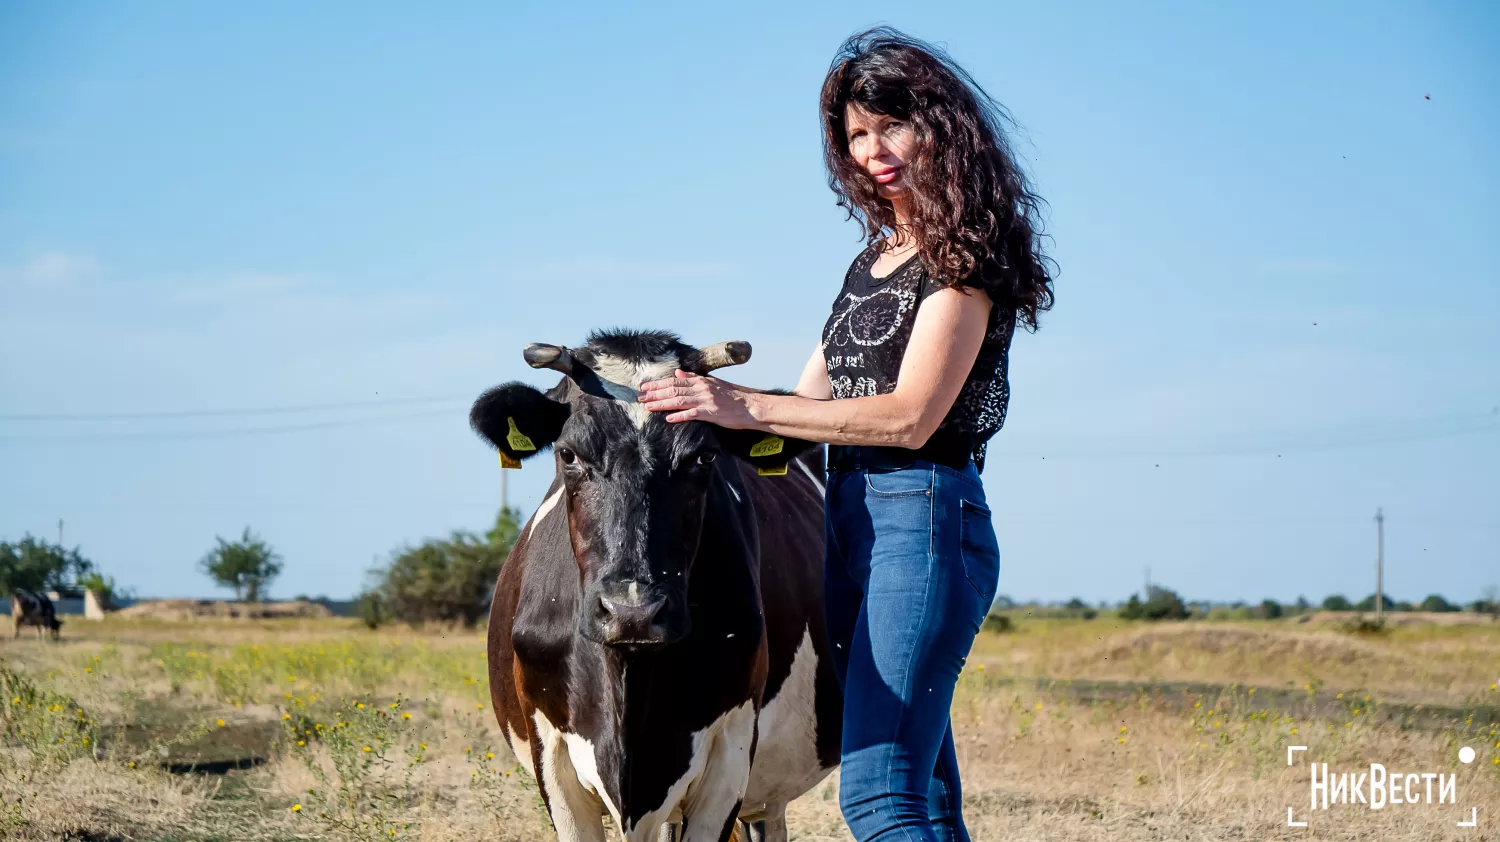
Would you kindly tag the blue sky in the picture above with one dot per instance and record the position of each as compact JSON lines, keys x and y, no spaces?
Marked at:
{"x":1276,"y":307}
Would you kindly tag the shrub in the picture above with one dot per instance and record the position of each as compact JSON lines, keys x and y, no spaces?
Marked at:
{"x":998,"y":623}
{"x":1163,"y":604}
{"x":442,"y":580}
{"x":32,"y":564}
{"x":1270,"y":609}
{"x":1337,"y":602}
{"x":371,"y":608}
{"x":1436,"y":603}
{"x":247,"y":566}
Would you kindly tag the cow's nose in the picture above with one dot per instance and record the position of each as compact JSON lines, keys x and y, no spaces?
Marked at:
{"x":631,"y":615}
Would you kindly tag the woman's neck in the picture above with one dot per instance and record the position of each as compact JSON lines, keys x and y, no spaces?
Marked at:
{"x":901,"y":237}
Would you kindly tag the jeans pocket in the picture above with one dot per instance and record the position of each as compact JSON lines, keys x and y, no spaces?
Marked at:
{"x":980,"y":550}
{"x":903,"y":483}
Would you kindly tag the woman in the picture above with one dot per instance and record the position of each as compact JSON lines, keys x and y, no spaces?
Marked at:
{"x":907,"y":386}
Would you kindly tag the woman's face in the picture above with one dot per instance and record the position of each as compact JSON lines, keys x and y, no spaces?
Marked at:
{"x":882,"y":146}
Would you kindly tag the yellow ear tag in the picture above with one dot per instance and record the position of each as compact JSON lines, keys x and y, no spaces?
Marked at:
{"x":517,"y":439}
{"x":769,"y":446}
{"x":507,"y":462}
{"x":778,"y":471}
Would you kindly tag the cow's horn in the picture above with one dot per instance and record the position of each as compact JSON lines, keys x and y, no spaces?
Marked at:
{"x":557,"y":357}
{"x":723,"y":354}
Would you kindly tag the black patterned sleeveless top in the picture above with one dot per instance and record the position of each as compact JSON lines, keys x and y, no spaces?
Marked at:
{"x":865,"y":339}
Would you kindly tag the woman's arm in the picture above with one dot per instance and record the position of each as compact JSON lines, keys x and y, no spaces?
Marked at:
{"x":945,"y":340}
{"x":814,"y":380}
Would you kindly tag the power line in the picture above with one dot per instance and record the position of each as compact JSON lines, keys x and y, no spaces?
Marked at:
{"x":212,"y":413}
{"x":229,"y":433}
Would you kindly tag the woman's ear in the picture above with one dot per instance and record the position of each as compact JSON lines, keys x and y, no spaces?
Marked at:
{"x":518,"y":420}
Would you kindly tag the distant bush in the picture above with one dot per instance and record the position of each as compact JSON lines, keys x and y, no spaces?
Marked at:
{"x":1436,"y":603}
{"x":1337,"y":602}
{"x":444,"y":581}
{"x":1270,"y":609}
{"x":33,"y":564}
{"x":1160,"y":604}
{"x":371,"y":609}
{"x":998,"y":623}
{"x":247,"y":566}
{"x":1364,"y":625}
{"x":1368,"y":604}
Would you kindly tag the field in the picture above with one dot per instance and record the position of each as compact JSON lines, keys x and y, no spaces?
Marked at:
{"x":1067,"y":729}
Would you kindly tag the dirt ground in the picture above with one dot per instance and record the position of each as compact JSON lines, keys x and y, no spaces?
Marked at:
{"x":1067,"y":730}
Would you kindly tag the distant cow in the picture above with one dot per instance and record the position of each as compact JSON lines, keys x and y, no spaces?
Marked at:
{"x":657,"y":647}
{"x":34,"y":609}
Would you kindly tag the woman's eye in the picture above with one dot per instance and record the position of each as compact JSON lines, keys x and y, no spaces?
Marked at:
{"x":707,"y":458}
{"x":567,"y":456}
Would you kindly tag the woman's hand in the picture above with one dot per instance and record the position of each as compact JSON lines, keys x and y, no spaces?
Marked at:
{"x":693,"y":397}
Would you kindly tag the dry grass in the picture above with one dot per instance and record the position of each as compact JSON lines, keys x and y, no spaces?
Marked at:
{"x":1066,"y":729}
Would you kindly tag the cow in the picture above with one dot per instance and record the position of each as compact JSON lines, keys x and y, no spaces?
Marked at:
{"x":34,"y":609}
{"x":657,"y":646}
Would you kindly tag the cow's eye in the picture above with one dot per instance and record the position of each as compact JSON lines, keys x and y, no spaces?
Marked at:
{"x":707,"y":458}
{"x":567,"y":456}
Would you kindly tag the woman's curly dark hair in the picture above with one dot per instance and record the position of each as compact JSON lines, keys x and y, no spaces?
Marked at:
{"x":975,"y":218}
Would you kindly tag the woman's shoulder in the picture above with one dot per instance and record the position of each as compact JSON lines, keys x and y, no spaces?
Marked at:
{"x":861,"y":262}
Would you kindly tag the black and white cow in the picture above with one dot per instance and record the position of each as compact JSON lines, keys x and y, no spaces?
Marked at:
{"x":34,"y":609}
{"x":657,"y":649}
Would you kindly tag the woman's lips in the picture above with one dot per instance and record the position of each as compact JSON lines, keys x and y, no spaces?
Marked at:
{"x":887,"y":176}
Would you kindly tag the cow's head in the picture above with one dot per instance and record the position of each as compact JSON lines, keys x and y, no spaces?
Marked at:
{"x":635,"y":487}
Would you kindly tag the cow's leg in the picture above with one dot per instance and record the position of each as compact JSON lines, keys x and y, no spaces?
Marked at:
{"x":16,"y":621}
{"x":577,"y":814}
{"x":712,"y":807}
{"x":770,"y":829}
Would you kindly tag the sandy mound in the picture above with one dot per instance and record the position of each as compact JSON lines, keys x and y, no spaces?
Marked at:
{"x":1278,"y":645}
{"x":210,"y":609}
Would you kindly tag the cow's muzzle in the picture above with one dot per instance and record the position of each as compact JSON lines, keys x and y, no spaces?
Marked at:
{"x":631,"y":615}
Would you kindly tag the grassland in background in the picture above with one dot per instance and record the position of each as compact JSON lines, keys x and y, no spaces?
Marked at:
{"x":1066,"y":729}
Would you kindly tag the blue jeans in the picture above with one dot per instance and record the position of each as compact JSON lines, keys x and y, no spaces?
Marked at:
{"x":911,"y":568}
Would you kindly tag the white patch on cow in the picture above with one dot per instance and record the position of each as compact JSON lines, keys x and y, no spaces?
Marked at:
{"x":628,"y":375}
{"x":577,"y":812}
{"x":734,"y":491}
{"x":810,"y":475}
{"x":541,"y":512}
{"x":713,"y":783}
{"x":634,"y":589}
{"x":786,"y":756}
{"x":521,"y":750}
{"x":586,"y":765}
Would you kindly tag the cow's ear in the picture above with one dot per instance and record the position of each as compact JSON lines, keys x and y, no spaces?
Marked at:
{"x":768,"y":452}
{"x":518,"y":420}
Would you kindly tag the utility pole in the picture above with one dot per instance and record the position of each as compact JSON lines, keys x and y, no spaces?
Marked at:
{"x":1147,"y":593}
{"x":504,"y":475}
{"x":59,"y":532}
{"x":1379,"y":565}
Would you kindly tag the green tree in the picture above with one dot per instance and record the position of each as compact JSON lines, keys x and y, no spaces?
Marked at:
{"x":1163,"y":604}
{"x":1270,"y":609}
{"x":507,"y":529}
{"x":1368,"y":603}
{"x":247,"y":566}
{"x":1338,"y":602}
{"x":1435,"y":602}
{"x":32,"y":564}
{"x":442,"y":580}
